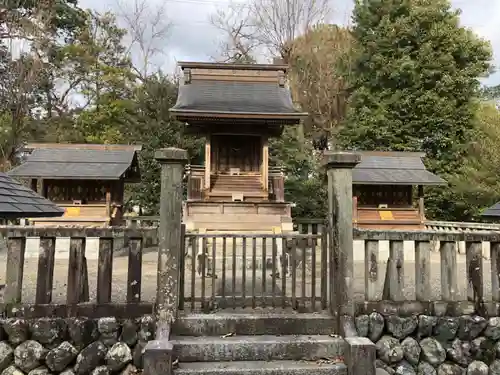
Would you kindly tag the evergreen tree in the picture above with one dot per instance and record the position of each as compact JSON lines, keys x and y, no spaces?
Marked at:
{"x":414,"y":79}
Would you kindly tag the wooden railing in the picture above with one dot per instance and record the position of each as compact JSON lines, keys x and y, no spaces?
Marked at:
{"x":434,"y":282}
{"x":196,"y":177}
{"x":460,"y":226}
{"x":311,"y":226}
{"x":195,"y":183}
{"x":39,"y":287}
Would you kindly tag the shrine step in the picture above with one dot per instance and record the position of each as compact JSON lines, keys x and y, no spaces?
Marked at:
{"x":261,"y":368}
{"x":270,"y":323}
{"x":263,"y":342}
{"x":257,"y":348}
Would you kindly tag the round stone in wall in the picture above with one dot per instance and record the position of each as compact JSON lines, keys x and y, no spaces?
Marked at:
{"x":411,"y":350}
{"x":492,"y":330}
{"x":60,"y":357}
{"x":6,"y":355}
{"x":404,"y":368}
{"x":376,"y":326}
{"x":29,"y":355}
{"x":401,"y":327}
{"x":425,"y":368}
{"x":477,"y":368}
{"x":432,"y":351}
{"x":449,"y":369}
{"x":389,"y":350}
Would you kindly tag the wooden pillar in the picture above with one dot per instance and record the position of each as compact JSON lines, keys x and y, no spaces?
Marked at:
{"x":339,"y":171}
{"x":45,"y":189}
{"x":34,"y":185}
{"x":172,"y":162}
{"x":421,"y":207}
{"x":355,"y":211}
{"x":207,"y":162}
{"x":265,"y":163}
{"x":108,"y":202}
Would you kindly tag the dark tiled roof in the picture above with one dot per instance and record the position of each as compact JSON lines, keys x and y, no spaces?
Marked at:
{"x":393,"y":169}
{"x":234,"y":97}
{"x":18,"y":201}
{"x":493,"y":211}
{"x":76,"y":163}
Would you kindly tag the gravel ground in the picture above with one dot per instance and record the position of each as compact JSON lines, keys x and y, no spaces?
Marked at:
{"x":120,"y":264}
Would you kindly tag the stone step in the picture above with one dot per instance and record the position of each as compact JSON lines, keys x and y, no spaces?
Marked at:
{"x":261,"y":368}
{"x":266,"y":323}
{"x":257,"y":348}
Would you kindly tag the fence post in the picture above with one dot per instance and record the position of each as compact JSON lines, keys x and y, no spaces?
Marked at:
{"x":339,"y":167}
{"x":172,"y":162}
{"x":157,"y":357}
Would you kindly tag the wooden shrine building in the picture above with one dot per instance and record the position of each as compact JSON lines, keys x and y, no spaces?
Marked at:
{"x":492,"y":213}
{"x":18,"y":202}
{"x":86,"y":180}
{"x":385,"y":185}
{"x":236,"y":108}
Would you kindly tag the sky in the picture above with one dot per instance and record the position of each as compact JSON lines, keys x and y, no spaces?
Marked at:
{"x":193,"y":38}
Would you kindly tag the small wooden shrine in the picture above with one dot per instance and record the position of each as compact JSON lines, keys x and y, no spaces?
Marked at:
{"x":385,"y":185}
{"x":18,"y":201}
{"x":86,"y":180}
{"x":237,"y":108}
{"x":492,"y":213}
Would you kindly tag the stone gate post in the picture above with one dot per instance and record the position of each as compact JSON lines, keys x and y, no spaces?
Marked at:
{"x":172,"y":162}
{"x":339,"y":167}
{"x":157,"y":355}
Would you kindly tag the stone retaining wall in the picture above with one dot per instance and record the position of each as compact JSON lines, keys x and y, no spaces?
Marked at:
{"x":73,"y":346}
{"x":430,"y":345}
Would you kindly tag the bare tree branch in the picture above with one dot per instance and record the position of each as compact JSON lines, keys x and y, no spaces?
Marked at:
{"x":148,"y":29}
{"x":272,"y":24}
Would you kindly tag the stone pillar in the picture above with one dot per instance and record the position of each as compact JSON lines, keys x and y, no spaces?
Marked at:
{"x":339,"y":167}
{"x":172,"y":162}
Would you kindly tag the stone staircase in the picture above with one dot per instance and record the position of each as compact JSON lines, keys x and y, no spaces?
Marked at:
{"x":257,"y":343}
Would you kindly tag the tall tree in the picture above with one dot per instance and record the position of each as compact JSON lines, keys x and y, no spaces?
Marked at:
{"x":155,"y":129}
{"x":414,"y":77}
{"x":478,"y":186}
{"x":316,"y":62}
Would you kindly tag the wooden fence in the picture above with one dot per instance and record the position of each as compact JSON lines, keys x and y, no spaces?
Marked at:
{"x":77,"y":300}
{"x":445,"y":282}
{"x":252,"y":271}
{"x":249,"y":271}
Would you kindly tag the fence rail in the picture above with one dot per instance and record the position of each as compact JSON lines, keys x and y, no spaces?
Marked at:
{"x":315,"y":226}
{"x":240,"y":271}
{"x":77,"y":301}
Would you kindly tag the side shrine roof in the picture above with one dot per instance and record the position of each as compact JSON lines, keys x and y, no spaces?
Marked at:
{"x":393,"y":168}
{"x":79,"y":162}
{"x":247,"y":91}
{"x":493,"y":211}
{"x":18,"y":201}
